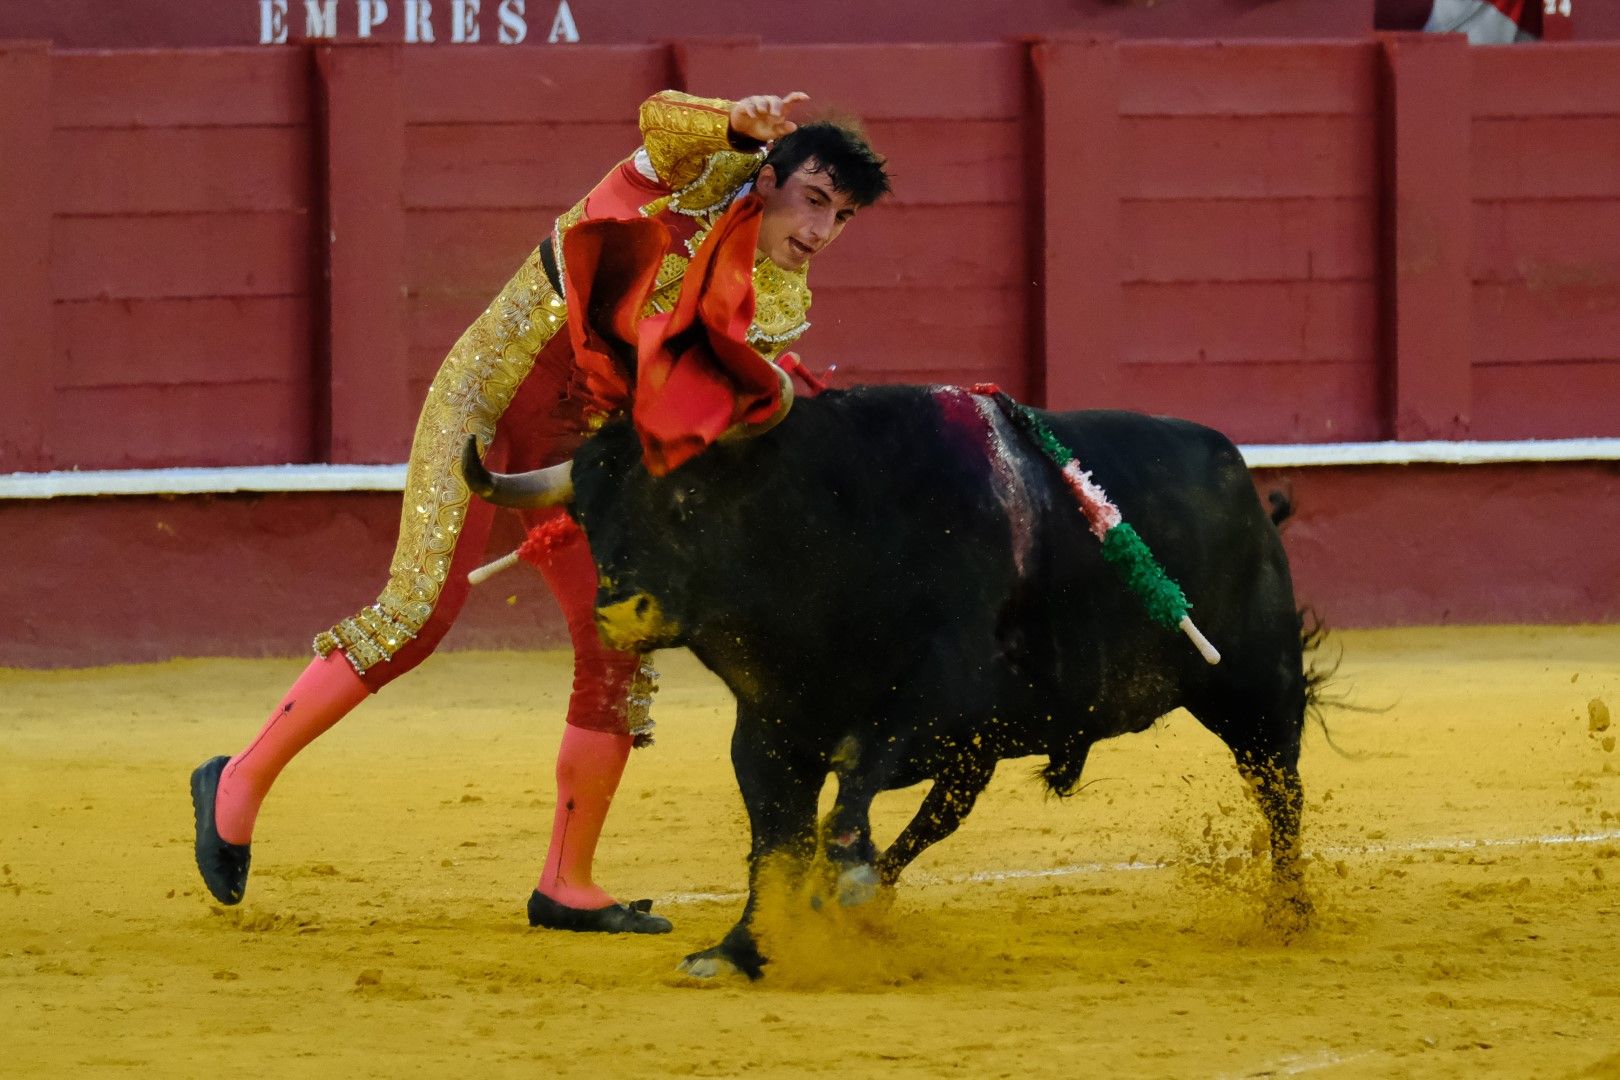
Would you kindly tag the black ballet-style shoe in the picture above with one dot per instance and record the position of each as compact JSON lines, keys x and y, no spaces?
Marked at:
{"x":633,"y":918}
{"x":224,"y":865}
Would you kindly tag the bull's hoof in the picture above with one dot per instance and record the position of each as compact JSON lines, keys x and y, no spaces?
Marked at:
{"x":858,"y":885}
{"x":223,"y":865}
{"x":708,"y":964}
{"x":720,"y":962}
{"x":1288,"y":912}
{"x":632,"y":918}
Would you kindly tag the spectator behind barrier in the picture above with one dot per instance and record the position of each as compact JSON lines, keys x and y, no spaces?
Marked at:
{"x":1484,"y":22}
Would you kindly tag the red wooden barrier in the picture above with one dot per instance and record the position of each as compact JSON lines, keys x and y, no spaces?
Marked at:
{"x":372,"y":414}
{"x":1426,"y":271}
{"x":180,"y":187}
{"x":1248,"y":197}
{"x":168,"y":24}
{"x":1545,"y":266}
{"x":246,"y":256}
{"x":1080,"y":294}
{"x":26,"y":349}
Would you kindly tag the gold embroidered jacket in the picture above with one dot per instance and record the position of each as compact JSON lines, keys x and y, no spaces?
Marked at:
{"x":686,"y":173}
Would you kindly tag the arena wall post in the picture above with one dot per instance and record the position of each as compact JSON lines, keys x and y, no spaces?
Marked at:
{"x":27,"y":348}
{"x":371,"y":414}
{"x":1428,"y":232}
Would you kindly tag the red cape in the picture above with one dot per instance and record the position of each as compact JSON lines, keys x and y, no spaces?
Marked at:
{"x":688,"y":375}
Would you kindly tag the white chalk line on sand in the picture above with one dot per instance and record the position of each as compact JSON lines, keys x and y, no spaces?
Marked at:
{"x":1073,"y":869}
{"x":1298,"y":1064}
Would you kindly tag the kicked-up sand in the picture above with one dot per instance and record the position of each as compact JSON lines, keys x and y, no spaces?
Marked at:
{"x":1465,"y":865}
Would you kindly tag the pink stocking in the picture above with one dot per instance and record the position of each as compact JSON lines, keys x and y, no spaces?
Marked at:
{"x":589,"y":765}
{"x":325,"y":693}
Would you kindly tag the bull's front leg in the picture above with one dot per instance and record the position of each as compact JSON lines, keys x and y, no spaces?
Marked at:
{"x":846,"y":832}
{"x":948,"y":801}
{"x":780,"y":785}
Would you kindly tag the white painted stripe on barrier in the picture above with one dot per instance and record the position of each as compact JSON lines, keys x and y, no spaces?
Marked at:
{"x":979,"y":876}
{"x":1438,"y":452}
{"x":265,"y":478}
{"x":294,"y":478}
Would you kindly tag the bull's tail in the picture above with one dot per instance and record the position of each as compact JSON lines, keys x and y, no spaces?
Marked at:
{"x":1320,"y":672}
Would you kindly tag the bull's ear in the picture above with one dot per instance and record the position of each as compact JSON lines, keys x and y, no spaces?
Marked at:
{"x":552,"y":486}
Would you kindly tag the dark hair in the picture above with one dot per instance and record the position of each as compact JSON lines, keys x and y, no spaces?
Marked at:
{"x":841,"y":150}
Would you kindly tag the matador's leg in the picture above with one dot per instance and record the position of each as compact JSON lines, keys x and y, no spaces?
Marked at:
{"x":439,"y":533}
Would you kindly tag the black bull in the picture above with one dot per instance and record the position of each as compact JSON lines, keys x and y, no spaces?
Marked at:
{"x":897,"y":586}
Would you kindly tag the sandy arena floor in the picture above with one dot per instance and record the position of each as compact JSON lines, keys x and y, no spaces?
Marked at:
{"x":1464,"y":869}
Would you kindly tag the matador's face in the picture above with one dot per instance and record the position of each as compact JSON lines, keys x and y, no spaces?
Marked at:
{"x":803,"y":213}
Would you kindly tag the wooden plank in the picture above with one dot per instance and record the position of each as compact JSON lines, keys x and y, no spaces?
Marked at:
{"x":247,"y":423}
{"x":1242,"y":322}
{"x":1428,"y":255}
{"x":1264,"y":403}
{"x":1562,"y":314}
{"x":985,"y":245}
{"x":1249,"y":157}
{"x":1249,"y":239}
{"x":1568,"y":400}
{"x":1248,"y":78}
{"x":486,"y":84}
{"x":181,"y":88}
{"x":1547,"y":158}
{"x":25,"y":271}
{"x":140,"y":171}
{"x":449,"y":251}
{"x":192,"y":342}
{"x":510,"y":166}
{"x":1548,"y":243}
{"x":936,"y":162}
{"x":1078,"y":353}
{"x":466,"y":256}
{"x":874,"y":82}
{"x":1549,"y":80}
{"x":179,"y":255}
{"x":370,"y":418}
{"x":980,"y":333}
{"x":1011,"y":376}
{"x":955,"y":162}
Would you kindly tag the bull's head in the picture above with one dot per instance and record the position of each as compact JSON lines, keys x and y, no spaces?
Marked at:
{"x":660,"y":543}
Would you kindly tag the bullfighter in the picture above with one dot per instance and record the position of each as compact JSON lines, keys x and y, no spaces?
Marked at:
{"x":514,"y":380}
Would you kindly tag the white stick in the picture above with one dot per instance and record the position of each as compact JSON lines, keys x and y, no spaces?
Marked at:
{"x":489,"y":570}
{"x":1205,"y":649}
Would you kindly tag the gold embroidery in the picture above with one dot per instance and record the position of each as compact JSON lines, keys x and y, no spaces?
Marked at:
{"x":723,"y":175}
{"x":470,"y":392}
{"x":667,"y":286}
{"x":565,"y":221}
{"x":681,"y":131}
{"x":638,"y":703}
{"x":688,"y":141}
{"x":781,"y":299}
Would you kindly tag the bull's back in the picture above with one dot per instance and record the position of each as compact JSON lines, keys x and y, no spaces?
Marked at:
{"x":1185,"y":489}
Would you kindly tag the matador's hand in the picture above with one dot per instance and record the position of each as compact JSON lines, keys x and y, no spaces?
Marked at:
{"x":764,"y":116}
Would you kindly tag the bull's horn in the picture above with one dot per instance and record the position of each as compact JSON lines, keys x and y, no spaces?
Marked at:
{"x":784,"y":402}
{"x":551,"y":486}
